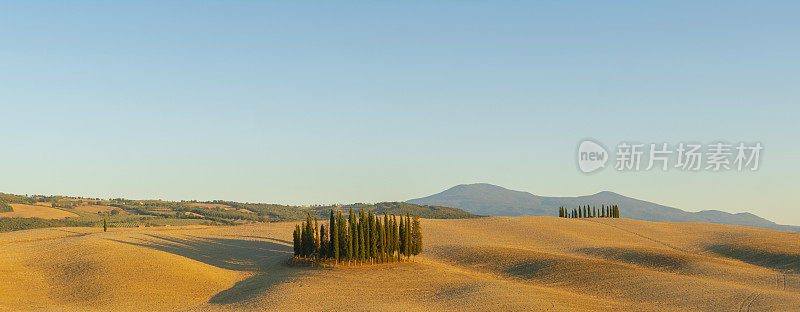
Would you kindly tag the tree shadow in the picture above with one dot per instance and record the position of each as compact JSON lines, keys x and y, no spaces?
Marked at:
{"x":264,"y":238}
{"x":265,"y":258}
{"x":256,"y":284}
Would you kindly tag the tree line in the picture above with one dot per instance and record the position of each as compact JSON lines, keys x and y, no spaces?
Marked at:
{"x":362,"y":238}
{"x":4,"y":207}
{"x":611,"y":211}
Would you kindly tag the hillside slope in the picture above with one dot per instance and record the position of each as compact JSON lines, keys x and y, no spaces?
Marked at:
{"x":493,"y":263}
{"x":487,"y":199}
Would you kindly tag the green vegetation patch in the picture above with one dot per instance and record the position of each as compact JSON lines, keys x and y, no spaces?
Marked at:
{"x":4,"y":207}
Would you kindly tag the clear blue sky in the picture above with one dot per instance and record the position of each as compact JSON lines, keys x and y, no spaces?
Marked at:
{"x":338,"y":102}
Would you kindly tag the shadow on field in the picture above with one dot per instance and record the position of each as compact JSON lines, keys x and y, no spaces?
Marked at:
{"x":267,"y":259}
{"x":787,"y":263}
{"x":279,"y":241}
{"x":644,"y":257}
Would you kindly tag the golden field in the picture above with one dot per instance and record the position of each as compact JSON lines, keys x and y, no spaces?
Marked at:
{"x":492,"y":264}
{"x":36,"y":211}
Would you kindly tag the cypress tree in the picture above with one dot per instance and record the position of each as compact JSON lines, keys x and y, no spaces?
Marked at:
{"x":333,"y":232}
{"x":356,"y":239}
{"x":392,"y":237}
{"x":402,"y":237}
{"x":368,"y":238}
{"x":373,"y":236}
{"x":404,"y":246}
{"x":323,"y":242}
{"x":342,"y":227}
{"x":316,"y":237}
{"x":334,"y":239}
{"x":408,"y":236}
{"x":308,"y":237}
{"x":396,"y":232}
{"x":365,"y":236}
{"x":105,"y":225}
{"x":416,"y":236}
{"x":386,"y":237}
{"x":362,"y":239}
{"x":349,"y":237}
{"x":379,"y":239}
{"x":353,"y":252}
{"x":343,"y":235}
{"x":385,"y":242}
{"x":296,"y":238}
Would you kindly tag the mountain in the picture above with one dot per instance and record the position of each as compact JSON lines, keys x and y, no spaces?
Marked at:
{"x":493,"y":200}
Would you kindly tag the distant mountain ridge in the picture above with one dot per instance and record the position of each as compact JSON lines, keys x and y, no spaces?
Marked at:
{"x":493,"y":200}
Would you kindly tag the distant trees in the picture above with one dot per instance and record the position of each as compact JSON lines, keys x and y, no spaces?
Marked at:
{"x":4,"y":207}
{"x":360,"y":238}
{"x":15,"y":224}
{"x":585,"y":211}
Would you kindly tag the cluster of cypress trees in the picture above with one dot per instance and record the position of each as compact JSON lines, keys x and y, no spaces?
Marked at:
{"x":361,"y":238}
{"x":611,"y":211}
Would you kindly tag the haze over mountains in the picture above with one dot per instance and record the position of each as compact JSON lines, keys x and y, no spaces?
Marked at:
{"x":493,"y":200}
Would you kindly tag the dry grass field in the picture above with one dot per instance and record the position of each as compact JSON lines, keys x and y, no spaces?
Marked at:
{"x":492,"y":264}
{"x":37,"y":211}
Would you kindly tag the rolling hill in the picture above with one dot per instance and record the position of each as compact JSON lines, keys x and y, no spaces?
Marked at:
{"x":493,"y":200}
{"x":40,"y":211}
{"x":476,"y":264}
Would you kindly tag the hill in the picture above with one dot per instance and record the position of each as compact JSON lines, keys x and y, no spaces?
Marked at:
{"x":487,"y":199}
{"x":492,"y":263}
{"x":59,"y":211}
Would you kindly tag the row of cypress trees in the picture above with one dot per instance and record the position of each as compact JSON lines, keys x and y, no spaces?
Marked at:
{"x":611,"y":211}
{"x":361,"y":238}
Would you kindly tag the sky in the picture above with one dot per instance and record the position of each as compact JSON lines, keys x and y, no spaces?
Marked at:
{"x":340,"y":102}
